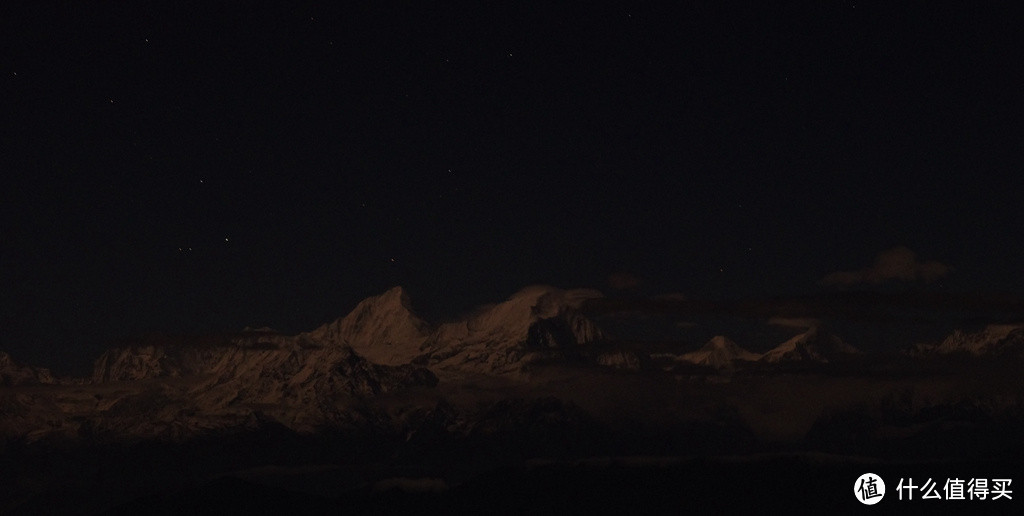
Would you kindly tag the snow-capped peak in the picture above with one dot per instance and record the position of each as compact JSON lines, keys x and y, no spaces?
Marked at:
{"x":499,"y":338}
{"x":381,"y":328}
{"x":720,"y":352}
{"x":813,"y":345}
{"x":978,"y":343}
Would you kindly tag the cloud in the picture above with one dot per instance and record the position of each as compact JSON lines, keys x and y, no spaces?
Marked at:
{"x":624,"y":281}
{"x":898,"y":263}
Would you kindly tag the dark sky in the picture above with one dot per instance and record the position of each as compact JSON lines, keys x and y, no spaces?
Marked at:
{"x":186,"y":167}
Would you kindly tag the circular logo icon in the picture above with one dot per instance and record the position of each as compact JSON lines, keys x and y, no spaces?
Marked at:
{"x":869,"y":489}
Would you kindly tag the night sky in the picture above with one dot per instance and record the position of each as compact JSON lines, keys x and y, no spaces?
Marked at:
{"x":184,"y":167}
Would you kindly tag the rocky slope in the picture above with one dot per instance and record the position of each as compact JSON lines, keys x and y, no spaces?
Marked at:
{"x":174,"y":387}
{"x":13,"y":373}
{"x":534,"y":324}
{"x":299,"y":383}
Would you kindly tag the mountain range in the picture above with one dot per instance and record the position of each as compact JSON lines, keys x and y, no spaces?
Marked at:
{"x":539,"y":374}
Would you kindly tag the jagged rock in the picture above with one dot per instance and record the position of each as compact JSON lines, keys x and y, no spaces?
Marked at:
{"x":997,"y":339}
{"x":12,"y":373}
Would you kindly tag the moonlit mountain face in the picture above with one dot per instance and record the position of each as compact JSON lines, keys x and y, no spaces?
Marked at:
{"x":992,"y":340}
{"x":381,"y":328}
{"x":720,"y":353}
{"x":441,"y":410}
{"x":813,"y":345}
